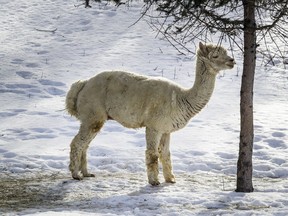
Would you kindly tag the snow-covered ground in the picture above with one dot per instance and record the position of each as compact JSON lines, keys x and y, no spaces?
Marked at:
{"x":47,"y":45}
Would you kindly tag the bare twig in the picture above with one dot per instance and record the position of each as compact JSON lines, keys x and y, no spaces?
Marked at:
{"x":142,"y":15}
{"x":169,"y":38}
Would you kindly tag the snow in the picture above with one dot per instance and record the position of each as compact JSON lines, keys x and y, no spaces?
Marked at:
{"x":37,"y":69}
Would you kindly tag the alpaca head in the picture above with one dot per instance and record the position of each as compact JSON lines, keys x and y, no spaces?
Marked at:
{"x":215,"y":57}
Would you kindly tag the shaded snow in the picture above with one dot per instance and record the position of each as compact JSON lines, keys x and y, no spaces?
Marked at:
{"x":37,"y":68}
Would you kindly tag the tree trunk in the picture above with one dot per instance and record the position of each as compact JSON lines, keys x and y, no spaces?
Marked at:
{"x":244,"y":165}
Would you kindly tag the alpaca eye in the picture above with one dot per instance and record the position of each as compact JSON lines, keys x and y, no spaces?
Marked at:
{"x":216,"y":56}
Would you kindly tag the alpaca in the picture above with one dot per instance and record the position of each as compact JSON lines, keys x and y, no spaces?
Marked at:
{"x":135,"y":101}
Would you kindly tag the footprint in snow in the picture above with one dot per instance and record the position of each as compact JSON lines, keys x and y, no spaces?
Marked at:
{"x":20,"y":89}
{"x":226,"y":155}
{"x":275,"y":143}
{"x":196,"y":153}
{"x":41,"y":133}
{"x":24,"y":74}
{"x":12,"y":91}
{"x":17,"y":61}
{"x":17,"y":110}
{"x":9,"y":155}
{"x":37,"y":113}
{"x":32,"y":65}
{"x":278,"y":134}
{"x":52,"y":87}
{"x":67,"y":133}
{"x":47,"y":82}
{"x":258,"y":138}
{"x":11,"y":112}
{"x":258,"y":146}
{"x":278,"y":161}
{"x":28,"y":134}
{"x":55,"y":91}
{"x":3,"y":151}
{"x":43,"y":136}
{"x":11,"y":134}
{"x":7,"y":114}
{"x":19,"y":86}
{"x":42,"y":52}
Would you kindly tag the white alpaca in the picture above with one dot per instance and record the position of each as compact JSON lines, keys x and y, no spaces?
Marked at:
{"x":139,"y":101}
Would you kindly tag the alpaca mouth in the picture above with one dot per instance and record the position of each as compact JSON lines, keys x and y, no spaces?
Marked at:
{"x":230,"y":64}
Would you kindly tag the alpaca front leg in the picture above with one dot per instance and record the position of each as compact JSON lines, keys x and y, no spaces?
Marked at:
{"x":152,"y":155}
{"x":165,"y":158}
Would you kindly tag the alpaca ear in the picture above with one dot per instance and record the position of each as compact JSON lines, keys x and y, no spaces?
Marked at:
{"x":203,"y":48}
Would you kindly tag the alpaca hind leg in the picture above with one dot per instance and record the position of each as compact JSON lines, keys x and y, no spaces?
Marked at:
{"x":79,"y":146}
{"x":152,"y":155}
{"x":165,"y":158}
{"x":83,"y":167}
{"x":95,"y":128}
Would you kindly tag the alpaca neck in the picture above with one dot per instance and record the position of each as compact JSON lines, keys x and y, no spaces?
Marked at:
{"x":198,"y":96}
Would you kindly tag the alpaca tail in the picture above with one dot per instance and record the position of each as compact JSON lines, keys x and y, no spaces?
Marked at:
{"x":72,"y":95}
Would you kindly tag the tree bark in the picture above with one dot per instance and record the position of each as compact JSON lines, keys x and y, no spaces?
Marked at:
{"x":244,"y":165}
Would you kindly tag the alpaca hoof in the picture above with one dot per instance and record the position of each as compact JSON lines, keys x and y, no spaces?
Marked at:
{"x":154,"y":183}
{"x":77,"y":177}
{"x":88,"y":175}
{"x":173,"y":181}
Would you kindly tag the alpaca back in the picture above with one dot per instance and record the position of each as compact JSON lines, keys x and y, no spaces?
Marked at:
{"x":72,"y":95}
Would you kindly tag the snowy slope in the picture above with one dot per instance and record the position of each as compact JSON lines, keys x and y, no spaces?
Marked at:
{"x":48,"y":45}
